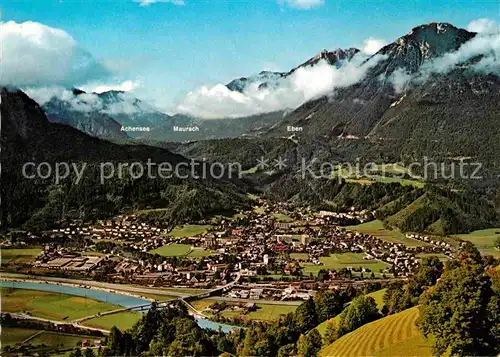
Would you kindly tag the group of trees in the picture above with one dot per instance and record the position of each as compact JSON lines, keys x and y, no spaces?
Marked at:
{"x":362,"y":310}
{"x":462,"y":311}
{"x":401,"y":296}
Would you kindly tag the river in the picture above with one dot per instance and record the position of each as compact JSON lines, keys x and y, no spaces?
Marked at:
{"x":102,"y":295}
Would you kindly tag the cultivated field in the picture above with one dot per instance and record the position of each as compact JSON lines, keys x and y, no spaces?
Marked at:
{"x":345,"y":260}
{"x":393,"y":335}
{"x":123,"y":320}
{"x":19,"y":255}
{"x":484,"y":240}
{"x":181,"y":250}
{"x":49,"y":305}
{"x":376,"y":229}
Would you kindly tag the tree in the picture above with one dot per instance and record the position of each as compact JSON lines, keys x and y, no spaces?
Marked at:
{"x":331,"y":333}
{"x":309,"y":345}
{"x":287,"y":350}
{"x":305,"y":316}
{"x":76,"y":353}
{"x":88,"y":353}
{"x":462,"y":311}
{"x":328,"y":304}
{"x":429,"y":271}
{"x":362,"y":310}
{"x":249,"y":342}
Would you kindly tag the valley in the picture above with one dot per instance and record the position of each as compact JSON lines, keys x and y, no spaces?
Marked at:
{"x":344,"y":204}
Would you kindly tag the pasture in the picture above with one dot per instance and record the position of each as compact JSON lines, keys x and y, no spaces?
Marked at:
{"x":389,"y":336}
{"x":59,"y":340}
{"x":49,"y":305}
{"x":345,"y":260}
{"x":189,"y":230}
{"x":484,"y":240}
{"x":122,"y":320}
{"x":181,"y":250}
{"x":376,"y":229}
{"x":12,"y":335}
{"x":264,"y":312}
{"x":20,"y":256}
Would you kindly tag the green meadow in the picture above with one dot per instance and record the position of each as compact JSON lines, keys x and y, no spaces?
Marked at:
{"x":376,"y":229}
{"x":189,"y":230}
{"x":122,"y":320}
{"x":343,"y":260}
{"x":181,"y":250}
{"x":27,"y":255}
{"x":50,"y":305}
{"x":484,"y":240}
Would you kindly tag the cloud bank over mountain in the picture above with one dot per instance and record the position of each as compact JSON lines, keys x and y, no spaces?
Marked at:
{"x":303,"y":84}
{"x":124,"y":103}
{"x":36,"y":54}
{"x":481,"y":53}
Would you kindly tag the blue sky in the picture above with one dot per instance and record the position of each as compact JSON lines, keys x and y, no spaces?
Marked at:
{"x":172,"y":48}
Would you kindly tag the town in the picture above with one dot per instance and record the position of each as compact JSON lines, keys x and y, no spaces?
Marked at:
{"x":270,"y":253}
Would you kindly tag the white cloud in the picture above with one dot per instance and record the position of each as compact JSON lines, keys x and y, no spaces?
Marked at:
{"x":123,"y":103}
{"x":126,"y":86}
{"x":302,"y":4}
{"x":483,"y":49}
{"x":35,"y":54}
{"x":304,"y":84}
{"x":372,"y":45}
{"x":483,"y":26}
{"x":399,"y":79}
{"x":149,"y":2}
{"x":486,"y":45}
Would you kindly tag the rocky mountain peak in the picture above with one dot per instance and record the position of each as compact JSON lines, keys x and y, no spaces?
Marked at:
{"x":334,"y":58}
{"x":422,"y":43}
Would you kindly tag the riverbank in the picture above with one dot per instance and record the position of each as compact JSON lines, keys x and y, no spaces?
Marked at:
{"x":83,"y":290}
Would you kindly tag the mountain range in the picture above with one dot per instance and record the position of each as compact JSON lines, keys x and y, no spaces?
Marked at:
{"x":104,"y":114}
{"x":38,"y":201}
{"x":421,"y":96}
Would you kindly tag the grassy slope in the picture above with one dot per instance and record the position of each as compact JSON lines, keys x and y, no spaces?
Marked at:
{"x":389,"y":336}
{"x":51,"y":305}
